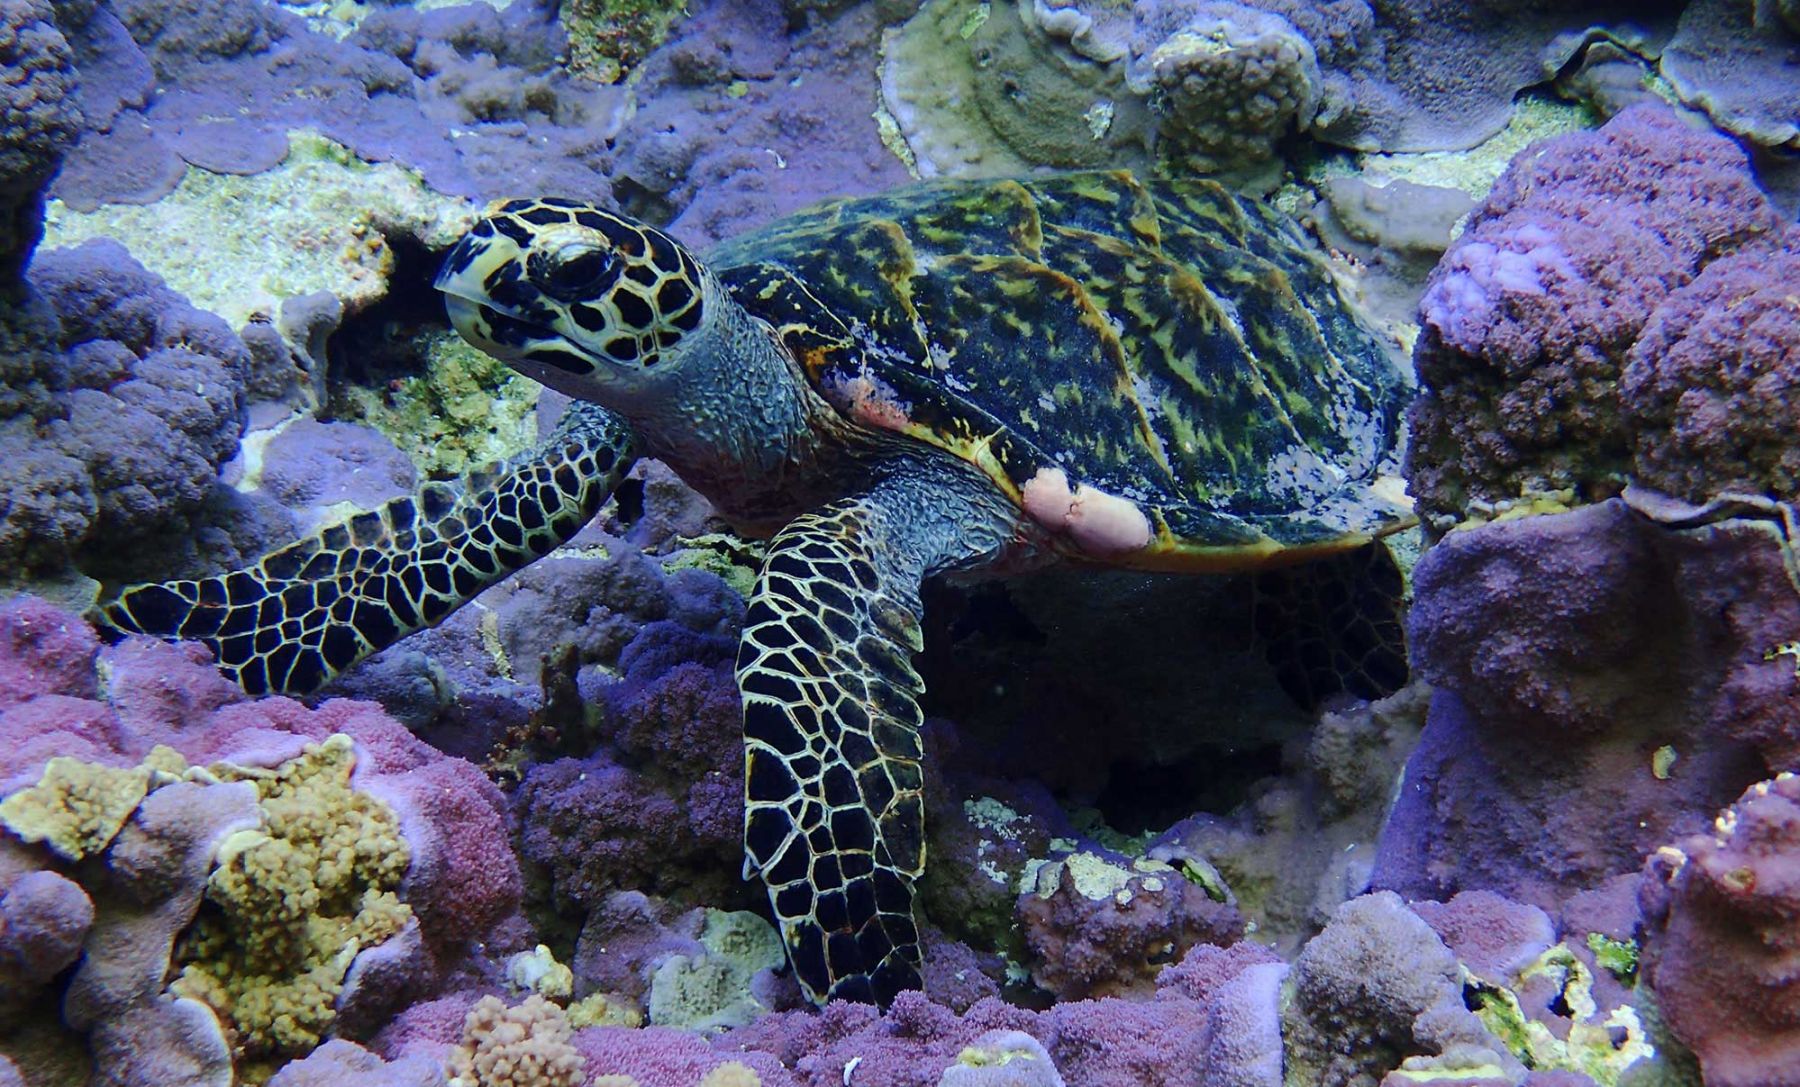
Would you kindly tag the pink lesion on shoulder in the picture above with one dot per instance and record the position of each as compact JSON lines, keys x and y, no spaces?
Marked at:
{"x":867,"y":399}
{"x":1099,"y":523}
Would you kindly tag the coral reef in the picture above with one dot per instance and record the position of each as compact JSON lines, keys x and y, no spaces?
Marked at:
{"x":531,"y":849}
{"x":1096,"y":927}
{"x":1709,"y":390}
{"x":1537,"y":775}
{"x":42,"y":114}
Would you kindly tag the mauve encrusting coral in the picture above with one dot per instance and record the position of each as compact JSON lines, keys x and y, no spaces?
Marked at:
{"x":1538,"y":775}
{"x":1528,"y":320}
{"x":1722,"y":920}
{"x":469,"y":96}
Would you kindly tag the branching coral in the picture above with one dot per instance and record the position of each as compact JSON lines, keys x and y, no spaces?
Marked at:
{"x":522,"y":1046}
{"x":295,"y":900}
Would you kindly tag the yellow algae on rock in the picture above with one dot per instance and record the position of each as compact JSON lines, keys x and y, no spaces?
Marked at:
{"x":76,"y":808}
{"x":290,"y":903}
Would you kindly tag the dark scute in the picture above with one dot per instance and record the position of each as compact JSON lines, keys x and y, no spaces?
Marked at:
{"x":376,"y":624}
{"x":891,"y":892}
{"x":769,"y":779}
{"x":253,"y":677}
{"x":852,"y":829}
{"x":306,"y":673}
{"x":792,"y":865}
{"x":832,"y":914}
{"x":772,"y":726}
{"x":152,"y":609}
{"x":840,"y":786}
{"x":794,"y":900}
{"x":808,"y":954}
{"x":672,"y":295}
{"x":590,"y":318}
{"x":466,"y":581}
{"x":544,"y":216}
{"x":512,"y":229}
{"x":558,"y":359}
{"x":845,"y":957}
{"x":776,"y":686}
{"x":633,"y":310}
{"x":764,"y":832}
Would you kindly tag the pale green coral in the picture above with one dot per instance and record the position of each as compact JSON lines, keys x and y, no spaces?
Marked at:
{"x":291,"y":902}
{"x":732,"y":559}
{"x":1617,"y":957}
{"x":712,"y":991}
{"x":465,"y":411}
{"x":76,"y":808}
{"x":607,"y":38}
{"x":239,"y":246}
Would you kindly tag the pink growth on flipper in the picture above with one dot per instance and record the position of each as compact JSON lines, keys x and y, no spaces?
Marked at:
{"x":868,"y":400}
{"x":1099,"y":523}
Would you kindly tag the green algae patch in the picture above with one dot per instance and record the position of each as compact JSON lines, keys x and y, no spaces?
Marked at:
{"x":466,"y":410}
{"x":239,"y":246}
{"x":732,"y":559}
{"x":291,"y":902}
{"x":1617,"y":957}
{"x":1590,"y":1046}
{"x":607,"y":38}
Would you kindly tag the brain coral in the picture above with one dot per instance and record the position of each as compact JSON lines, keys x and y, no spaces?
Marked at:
{"x":1527,"y":321}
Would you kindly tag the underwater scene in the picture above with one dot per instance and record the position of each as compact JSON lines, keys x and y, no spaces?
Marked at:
{"x":899,"y":543}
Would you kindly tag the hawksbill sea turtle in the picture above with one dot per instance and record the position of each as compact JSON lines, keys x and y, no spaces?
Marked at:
{"x":957,"y":377}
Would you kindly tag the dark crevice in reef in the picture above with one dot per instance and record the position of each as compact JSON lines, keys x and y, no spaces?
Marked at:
{"x":1141,"y":797}
{"x":380,"y":344}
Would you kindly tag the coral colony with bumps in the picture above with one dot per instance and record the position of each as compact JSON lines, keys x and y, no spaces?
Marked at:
{"x":1253,"y":545}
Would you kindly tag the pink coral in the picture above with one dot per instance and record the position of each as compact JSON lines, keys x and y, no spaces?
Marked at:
{"x":44,"y":650}
{"x":1723,"y":919}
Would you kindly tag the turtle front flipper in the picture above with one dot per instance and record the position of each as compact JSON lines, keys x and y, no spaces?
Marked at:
{"x":835,"y":810}
{"x":307,"y":611}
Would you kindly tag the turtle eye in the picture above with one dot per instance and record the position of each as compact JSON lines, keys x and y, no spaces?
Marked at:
{"x":572,"y":272}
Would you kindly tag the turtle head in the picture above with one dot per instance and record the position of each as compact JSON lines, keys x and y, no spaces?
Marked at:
{"x":585,"y":301}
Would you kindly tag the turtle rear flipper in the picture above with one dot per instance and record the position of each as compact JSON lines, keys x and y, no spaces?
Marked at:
{"x":302,"y":614}
{"x":835,"y":809}
{"x":1335,"y":625}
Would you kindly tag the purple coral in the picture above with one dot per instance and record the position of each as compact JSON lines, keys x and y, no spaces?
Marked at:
{"x":122,"y":432}
{"x":39,"y":117}
{"x":1723,"y":919}
{"x":450,"y":92}
{"x":1528,"y":319}
{"x":1537,"y":775}
{"x":1096,"y":928}
{"x":1712,"y":387}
